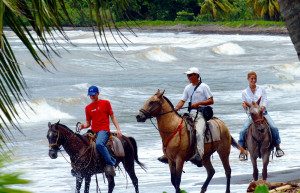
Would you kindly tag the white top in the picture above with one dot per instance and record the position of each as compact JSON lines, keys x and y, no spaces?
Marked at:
{"x":202,"y":93}
{"x":248,"y":96}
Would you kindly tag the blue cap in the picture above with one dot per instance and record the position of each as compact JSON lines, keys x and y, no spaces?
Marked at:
{"x":93,"y":90}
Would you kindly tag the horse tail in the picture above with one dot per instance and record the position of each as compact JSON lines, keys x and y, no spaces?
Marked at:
{"x":133,"y":142}
{"x":236,"y":145}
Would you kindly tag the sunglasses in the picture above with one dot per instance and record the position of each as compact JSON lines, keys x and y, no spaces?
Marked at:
{"x":190,"y":75}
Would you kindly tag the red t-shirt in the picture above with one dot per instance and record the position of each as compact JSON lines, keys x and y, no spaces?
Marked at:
{"x":98,"y":115}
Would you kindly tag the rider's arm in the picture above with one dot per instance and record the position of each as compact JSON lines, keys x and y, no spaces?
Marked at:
{"x":209,"y":101}
{"x":116,"y":123}
{"x":179,"y":105}
{"x":85,"y":125}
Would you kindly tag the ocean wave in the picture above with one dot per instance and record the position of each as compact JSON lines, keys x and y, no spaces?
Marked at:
{"x":288,"y":71}
{"x":38,"y":110}
{"x":159,"y":54}
{"x":228,"y":49}
{"x":291,"y":86}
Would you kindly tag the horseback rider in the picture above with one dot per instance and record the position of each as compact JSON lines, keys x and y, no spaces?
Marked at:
{"x":97,"y":116}
{"x":198,"y":94}
{"x":252,"y":93}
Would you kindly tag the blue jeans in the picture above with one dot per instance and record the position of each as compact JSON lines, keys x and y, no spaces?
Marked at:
{"x":272,"y":125}
{"x":102,"y":137}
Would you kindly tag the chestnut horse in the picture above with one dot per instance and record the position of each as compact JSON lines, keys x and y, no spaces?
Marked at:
{"x":82,"y":156}
{"x":259,"y":139}
{"x":176,"y":140}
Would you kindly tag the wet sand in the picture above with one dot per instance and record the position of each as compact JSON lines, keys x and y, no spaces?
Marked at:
{"x":204,"y":29}
{"x":287,"y":176}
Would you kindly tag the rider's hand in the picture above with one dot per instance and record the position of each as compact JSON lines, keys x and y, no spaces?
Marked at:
{"x":119,"y":134}
{"x":176,"y":109}
{"x":81,"y":126}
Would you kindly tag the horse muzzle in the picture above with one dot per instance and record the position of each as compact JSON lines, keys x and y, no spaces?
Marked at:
{"x":52,"y":154}
{"x":141,"y":117}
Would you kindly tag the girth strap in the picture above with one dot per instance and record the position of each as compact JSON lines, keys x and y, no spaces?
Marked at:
{"x":173,"y":134}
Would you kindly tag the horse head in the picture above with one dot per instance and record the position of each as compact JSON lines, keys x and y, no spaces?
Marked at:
{"x":256,"y":114}
{"x":53,"y":139}
{"x":151,"y":108}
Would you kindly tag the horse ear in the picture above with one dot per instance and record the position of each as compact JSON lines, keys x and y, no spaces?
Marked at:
{"x":56,"y":125}
{"x":160,"y":94}
{"x":157,"y":92}
{"x":49,"y":124}
{"x":257,"y":102}
{"x":248,"y":105}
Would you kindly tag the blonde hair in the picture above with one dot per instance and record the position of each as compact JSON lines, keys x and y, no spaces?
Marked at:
{"x":251,"y":73}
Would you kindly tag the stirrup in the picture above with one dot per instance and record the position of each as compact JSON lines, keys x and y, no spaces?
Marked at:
{"x":243,"y":157}
{"x":279,"y":152}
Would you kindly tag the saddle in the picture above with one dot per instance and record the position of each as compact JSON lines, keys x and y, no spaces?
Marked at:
{"x":212,"y":131}
{"x":113,"y":144}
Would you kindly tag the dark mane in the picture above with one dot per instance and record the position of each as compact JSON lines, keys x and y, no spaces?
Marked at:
{"x":78,"y":135}
{"x":171,"y":105}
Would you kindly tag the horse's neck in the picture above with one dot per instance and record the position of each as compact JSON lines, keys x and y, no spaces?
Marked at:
{"x":71,"y":142}
{"x":168,"y":121}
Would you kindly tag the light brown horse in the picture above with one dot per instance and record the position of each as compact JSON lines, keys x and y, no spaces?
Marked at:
{"x":176,"y":140}
{"x":259,"y":139}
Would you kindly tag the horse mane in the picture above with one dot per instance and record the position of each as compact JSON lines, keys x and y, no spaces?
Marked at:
{"x":168,"y":101}
{"x":78,"y":135}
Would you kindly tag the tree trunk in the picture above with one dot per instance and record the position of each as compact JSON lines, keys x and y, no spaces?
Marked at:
{"x":290,"y":11}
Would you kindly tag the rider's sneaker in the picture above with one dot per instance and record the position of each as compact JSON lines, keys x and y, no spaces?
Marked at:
{"x":110,"y":170}
{"x":163,"y":159}
{"x":243,"y":157}
{"x":279,"y":152}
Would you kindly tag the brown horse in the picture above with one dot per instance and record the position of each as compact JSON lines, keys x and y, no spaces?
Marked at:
{"x":82,"y":156}
{"x":176,"y":140}
{"x":259,"y":139}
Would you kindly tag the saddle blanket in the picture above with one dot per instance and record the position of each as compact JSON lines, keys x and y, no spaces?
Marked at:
{"x":212,"y":132}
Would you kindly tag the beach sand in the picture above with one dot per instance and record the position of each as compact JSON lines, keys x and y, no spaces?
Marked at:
{"x":204,"y":29}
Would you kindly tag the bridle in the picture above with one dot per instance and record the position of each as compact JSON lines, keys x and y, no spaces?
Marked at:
{"x":56,"y":142}
{"x":149,"y":114}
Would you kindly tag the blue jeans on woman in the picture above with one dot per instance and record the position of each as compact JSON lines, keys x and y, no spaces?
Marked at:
{"x":102,"y":137}
{"x":272,"y":126}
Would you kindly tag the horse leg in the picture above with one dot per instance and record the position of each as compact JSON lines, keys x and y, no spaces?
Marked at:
{"x":130,"y":170}
{"x":87,"y":181}
{"x":265,"y":166}
{"x":210,"y":172}
{"x":176,"y":171}
{"x":172,"y":167}
{"x":79,"y":180}
{"x":111,"y":183}
{"x":255,"y":170}
{"x":225,"y":161}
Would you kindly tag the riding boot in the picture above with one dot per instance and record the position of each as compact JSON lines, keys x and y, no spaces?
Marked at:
{"x":196,"y":159}
{"x":110,"y":170}
{"x":163,"y":159}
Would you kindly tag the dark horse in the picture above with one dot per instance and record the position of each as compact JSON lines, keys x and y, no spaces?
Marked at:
{"x":176,"y":140}
{"x":259,"y":139}
{"x":82,"y":156}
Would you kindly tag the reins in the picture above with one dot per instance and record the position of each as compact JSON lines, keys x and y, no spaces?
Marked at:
{"x":73,"y":164}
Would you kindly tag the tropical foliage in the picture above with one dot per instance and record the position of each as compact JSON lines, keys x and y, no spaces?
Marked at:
{"x":37,"y":23}
{"x":9,"y":178}
{"x":265,"y":9}
{"x":216,"y":8}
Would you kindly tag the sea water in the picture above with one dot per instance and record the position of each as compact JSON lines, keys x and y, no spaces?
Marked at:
{"x":150,"y":61}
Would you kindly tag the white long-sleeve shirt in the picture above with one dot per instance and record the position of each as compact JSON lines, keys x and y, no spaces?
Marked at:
{"x":248,"y":96}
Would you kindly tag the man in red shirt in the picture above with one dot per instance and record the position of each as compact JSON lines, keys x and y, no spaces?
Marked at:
{"x":97,"y":116}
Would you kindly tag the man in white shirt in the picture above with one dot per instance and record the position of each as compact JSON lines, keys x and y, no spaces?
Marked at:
{"x":198,"y":94}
